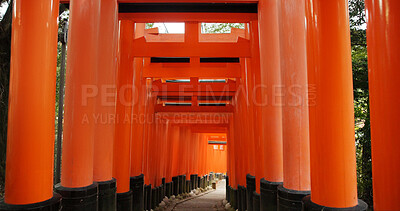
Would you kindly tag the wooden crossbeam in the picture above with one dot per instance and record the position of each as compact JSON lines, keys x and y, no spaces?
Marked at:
{"x":194,"y":88}
{"x":208,"y":109}
{"x":142,"y":48}
{"x":191,"y":45}
{"x":183,"y":17}
{"x":180,"y":1}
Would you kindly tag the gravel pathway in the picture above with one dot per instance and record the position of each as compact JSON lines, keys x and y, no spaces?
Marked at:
{"x":209,"y":202}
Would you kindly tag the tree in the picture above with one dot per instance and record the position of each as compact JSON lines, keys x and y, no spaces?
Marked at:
{"x":361,"y":100}
{"x":220,"y":27}
{"x":5,"y":53}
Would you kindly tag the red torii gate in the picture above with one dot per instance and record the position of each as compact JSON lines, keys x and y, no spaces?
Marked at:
{"x":278,"y":48}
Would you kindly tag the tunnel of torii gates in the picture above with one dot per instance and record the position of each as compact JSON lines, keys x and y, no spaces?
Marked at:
{"x":270,"y":105}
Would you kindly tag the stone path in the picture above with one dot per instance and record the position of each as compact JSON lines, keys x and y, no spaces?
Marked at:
{"x":209,"y":202}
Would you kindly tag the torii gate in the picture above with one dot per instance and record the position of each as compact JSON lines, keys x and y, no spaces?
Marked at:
{"x":300,"y":150}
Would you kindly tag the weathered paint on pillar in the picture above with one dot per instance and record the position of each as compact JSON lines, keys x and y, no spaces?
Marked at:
{"x":80,"y":94}
{"x":296,"y":147}
{"x":383,"y":35}
{"x":105,"y":100}
{"x":121,"y":167}
{"x":271,"y":86}
{"x":332,"y":147}
{"x":31,"y":114}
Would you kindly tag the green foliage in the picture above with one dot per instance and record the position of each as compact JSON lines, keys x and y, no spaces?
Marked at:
{"x":58,"y":86}
{"x":362,"y":122}
{"x":220,"y":27}
{"x":5,"y":53}
{"x":361,"y":100}
{"x":357,"y":13}
{"x":149,"y":25}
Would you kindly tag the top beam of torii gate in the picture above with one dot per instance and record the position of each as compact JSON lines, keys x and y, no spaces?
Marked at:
{"x":232,"y":11}
{"x":180,"y":1}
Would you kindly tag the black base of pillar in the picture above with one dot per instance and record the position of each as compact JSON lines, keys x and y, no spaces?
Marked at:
{"x":256,"y":201}
{"x":242,"y":199}
{"x":184,"y":183}
{"x":181,"y":184}
{"x":290,"y":200}
{"x":168,"y":189}
{"x":53,"y":204}
{"x":238,"y":197}
{"x":199,"y":181}
{"x":147,"y":197}
{"x":137,"y":188}
{"x":233,"y":196}
{"x":124,"y":201}
{"x":251,"y":187}
{"x":227,"y":189}
{"x":269,"y":195}
{"x":175,"y":185}
{"x":196,"y":181}
{"x":157,"y":196}
{"x":228,"y":194}
{"x":308,"y":205}
{"x":193,"y":181}
{"x":163,"y":189}
{"x":153,"y":198}
{"x":107,"y":195}
{"x":188,"y":186}
{"x":161,"y":193}
{"x":79,"y":199}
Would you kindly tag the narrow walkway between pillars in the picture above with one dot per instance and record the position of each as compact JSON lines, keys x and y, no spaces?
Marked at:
{"x":208,"y":202}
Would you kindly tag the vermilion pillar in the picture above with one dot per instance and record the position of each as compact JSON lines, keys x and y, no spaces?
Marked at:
{"x":122,"y":143}
{"x":255,"y":96}
{"x":332,"y":147}
{"x":30,"y":143}
{"x":146,"y":146}
{"x":196,"y":157}
{"x":168,"y":170}
{"x":137,"y":120}
{"x":296,"y":148}
{"x":80,"y":98}
{"x":175,"y":159}
{"x":240,"y":161}
{"x":105,"y":105}
{"x":232,"y":141}
{"x":271,"y":96}
{"x":383,"y":33}
{"x":137,"y":177}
